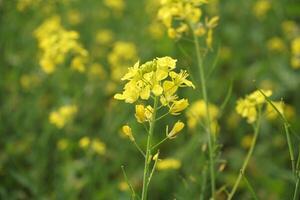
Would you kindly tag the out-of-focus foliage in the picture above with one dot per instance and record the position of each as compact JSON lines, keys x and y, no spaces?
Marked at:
{"x":61,"y":130}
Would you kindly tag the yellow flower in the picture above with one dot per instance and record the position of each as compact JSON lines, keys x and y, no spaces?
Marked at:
{"x":180,"y":80}
{"x":104,"y":37}
{"x":295,"y":49}
{"x":98,"y":146}
{"x":197,"y":113}
{"x":62,"y":144}
{"x":276,"y":44}
{"x":148,"y":78}
{"x":178,"y":106}
{"x":261,"y":7}
{"x":167,"y":164}
{"x":247,"y":107}
{"x":128,"y":132}
{"x":178,"y":126}
{"x":123,"y":186}
{"x":84,"y":142}
{"x":56,"y":44}
{"x":117,"y":5}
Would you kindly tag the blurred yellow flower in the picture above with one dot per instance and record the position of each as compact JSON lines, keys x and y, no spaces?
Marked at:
{"x":62,"y":144}
{"x":104,"y":36}
{"x":64,"y":114}
{"x":117,"y":5}
{"x":248,"y":106}
{"x":295,"y":50}
{"x":290,"y":28}
{"x":276,"y":44}
{"x":123,"y":186}
{"x":56,"y":43}
{"x":84,"y":142}
{"x":98,"y":147}
{"x":168,"y":164}
{"x":197,"y":114}
{"x":74,"y":17}
{"x":261,"y":7}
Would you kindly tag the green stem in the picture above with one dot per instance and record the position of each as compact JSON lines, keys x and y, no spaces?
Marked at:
{"x":162,"y":141}
{"x":148,"y":151}
{"x":288,"y":138}
{"x":207,"y":118}
{"x":250,"y":152}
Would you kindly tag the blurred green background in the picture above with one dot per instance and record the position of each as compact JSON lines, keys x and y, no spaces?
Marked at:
{"x":82,"y":158}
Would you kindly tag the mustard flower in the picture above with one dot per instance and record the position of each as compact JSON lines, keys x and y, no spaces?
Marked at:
{"x":128,"y":132}
{"x":168,"y":164}
{"x":248,"y":107}
{"x":178,"y":126}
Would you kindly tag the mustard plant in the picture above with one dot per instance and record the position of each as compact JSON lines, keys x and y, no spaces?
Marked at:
{"x":157,"y":83}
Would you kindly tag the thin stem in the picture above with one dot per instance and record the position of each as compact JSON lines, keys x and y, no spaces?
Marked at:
{"x":153,"y":169}
{"x":250,"y":187}
{"x":245,"y":163}
{"x":162,"y":116}
{"x":288,"y":138}
{"x":296,"y":191}
{"x":162,"y":141}
{"x":139,"y":148}
{"x":207,"y":118}
{"x":128,"y":183}
{"x":148,"y":151}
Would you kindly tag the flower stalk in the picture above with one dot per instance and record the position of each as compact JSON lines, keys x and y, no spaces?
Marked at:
{"x":207,"y":117}
{"x":246,"y":161}
{"x":148,"y":152}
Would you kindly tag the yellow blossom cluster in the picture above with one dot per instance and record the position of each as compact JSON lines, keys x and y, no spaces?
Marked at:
{"x":120,"y":58}
{"x":248,"y":107}
{"x":179,"y":16}
{"x":197,"y":114}
{"x":96,"y":145}
{"x":276,"y":44}
{"x":64,"y":114}
{"x":24,"y":4}
{"x":168,"y":164}
{"x":295,"y":51}
{"x":150,"y":80}
{"x":56,"y":44}
{"x":261,"y":8}
{"x":104,"y":36}
{"x":116,"y":5}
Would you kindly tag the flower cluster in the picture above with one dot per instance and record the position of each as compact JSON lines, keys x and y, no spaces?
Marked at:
{"x":96,"y":145}
{"x":295,"y":50}
{"x":197,"y":114}
{"x":155,"y":79}
{"x":248,"y":106}
{"x":179,"y":16}
{"x":56,"y":44}
{"x":64,"y":114}
{"x":150,"y":79}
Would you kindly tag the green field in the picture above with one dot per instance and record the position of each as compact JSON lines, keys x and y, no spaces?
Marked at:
{"x":150,"y":99}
